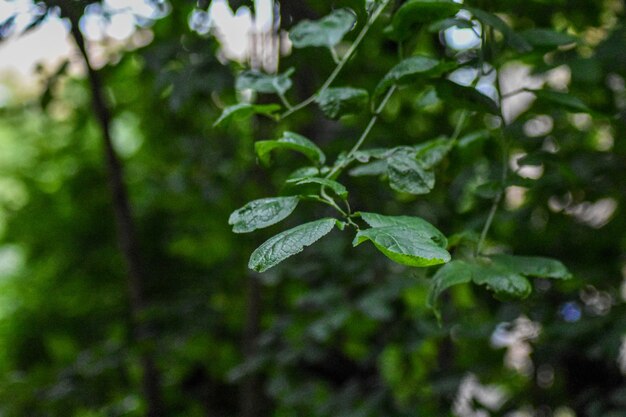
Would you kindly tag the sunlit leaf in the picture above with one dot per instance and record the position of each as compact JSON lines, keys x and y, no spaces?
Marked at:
{"x":291,"y":141}
{"x":327,"y":31}
{"x":288,"y":243}
{"x":262,"y":213}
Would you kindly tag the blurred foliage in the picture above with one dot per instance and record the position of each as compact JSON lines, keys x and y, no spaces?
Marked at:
{"x":336,"y":331}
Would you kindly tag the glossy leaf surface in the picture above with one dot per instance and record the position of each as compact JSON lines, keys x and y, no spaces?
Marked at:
{"x":262,"y":213}
{"x":288,"y":243}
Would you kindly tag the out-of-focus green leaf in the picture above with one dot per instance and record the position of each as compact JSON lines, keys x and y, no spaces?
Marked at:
{"x":431,"y":153}
{"x":244,"y":110}
{"x":512,"y":38}
{"x":262,"y":213}
{"x":504,"y":282}
{"x":265,"y":83}
{"x":409,"y":69}
{"x":533,"y":266}
{"x":327,"y":31}
{"x":467,"y":97}
{"x":450,"y":23}
{"x":378,"y":167}
{"x":336,"y":102}
{"x":489,"y":189}
{"x":453,"y":273}
{"x":407,"y":175}
{"x":416,"y":12}
{"x":564,"y":100}
{"x":291,"y":141}
{"x":547,"y":38}
{"x":288,"y":243}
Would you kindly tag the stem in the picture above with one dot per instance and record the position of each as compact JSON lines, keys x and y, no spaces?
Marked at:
{"x":341,"y":63}
{"x":459,"y":126}
{"x":284,"y":100}
{"x":333,"y":53}
{"x":128,"y":241}
{"x":505,"y":171}
{"x":338,"y":168}
{"x":331,"y":202}
{"x":492,"y":213}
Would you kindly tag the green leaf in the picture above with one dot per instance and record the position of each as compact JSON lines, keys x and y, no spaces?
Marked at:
{"x":514,"y":40}
{"x":466,"y":97}
{"x":431,"y":153}
{"x":265,"y":83}
{"x":505,"y":283}
{"x":489,"y":189}
{"x":404,"y":245}
{"x":472,"y":138}
{"x":262,"y":213}
{"x":408,"y":176}
{"x":378,"y":167}
{"x":547,"y":38}
{"x":451,"y":274}
{"x":410,"y":69}
{"x":564,"y":100}
{"x":304,"y":172}
{"x":291,"y":141}
{"x":533,"y":266}
{"x":413,"y":223}
{"x":337,"y":188}
{"x":288,"y":243}
{"x":244,"y":110}
{"x":377,"y":153}
{"x":415,"y":12}
{"x":449,"y":23}
{"x":327,"y":31}
{"x":336,"y":102}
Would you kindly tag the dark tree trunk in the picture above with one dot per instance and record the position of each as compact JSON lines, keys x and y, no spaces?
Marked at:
{"x":126,"y":233}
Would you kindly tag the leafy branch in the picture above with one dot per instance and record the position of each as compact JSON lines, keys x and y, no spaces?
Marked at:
{"x":341,"y":62}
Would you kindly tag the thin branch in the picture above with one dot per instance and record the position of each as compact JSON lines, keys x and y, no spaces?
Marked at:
{"x":503,"y":179}
{"x":338,"y":168}
{"x":459,"y":125}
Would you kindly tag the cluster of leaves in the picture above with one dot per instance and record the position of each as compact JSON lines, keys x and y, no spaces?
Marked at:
{"x":335,"y":331}
{"x":410,"y":241}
